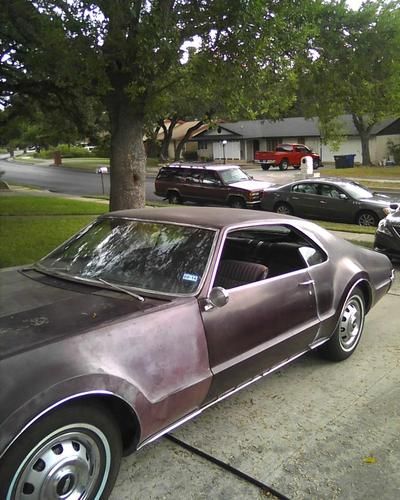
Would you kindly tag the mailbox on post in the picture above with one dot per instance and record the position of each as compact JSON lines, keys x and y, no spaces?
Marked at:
{"x":102,"y":171}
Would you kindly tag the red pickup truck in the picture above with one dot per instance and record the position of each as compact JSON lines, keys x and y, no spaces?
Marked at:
{"x":286,"y":155}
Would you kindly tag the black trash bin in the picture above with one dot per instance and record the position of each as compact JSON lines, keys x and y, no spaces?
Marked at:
{"x":344,"y":161}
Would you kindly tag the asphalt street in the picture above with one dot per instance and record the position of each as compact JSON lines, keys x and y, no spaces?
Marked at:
{"x":314,"y":430}
{"x":62,"y":180}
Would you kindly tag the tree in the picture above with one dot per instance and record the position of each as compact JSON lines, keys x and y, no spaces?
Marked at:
{"x":352,"y":66}
{"x":127,"y":54}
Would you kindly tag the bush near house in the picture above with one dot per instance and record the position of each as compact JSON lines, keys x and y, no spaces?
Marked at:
{"x":66,"y":151}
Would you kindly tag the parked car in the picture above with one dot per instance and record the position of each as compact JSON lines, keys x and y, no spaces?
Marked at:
{"x":328,"y":199}
{"x":286,"y":155}
{"x":387,"y":236}
{"x":217,"y":184}
{"x":147,"y":317}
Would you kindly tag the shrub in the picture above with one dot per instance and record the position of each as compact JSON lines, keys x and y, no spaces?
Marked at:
{"x":394,"y":150}
{"x":190,"y":155}
{"x":66,"y":151}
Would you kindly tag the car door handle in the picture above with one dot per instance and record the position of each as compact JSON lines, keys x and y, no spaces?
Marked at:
{"x":322,"y":202}
{"x":306,"y":283}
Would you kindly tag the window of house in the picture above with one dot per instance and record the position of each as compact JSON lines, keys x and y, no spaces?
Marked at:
{"x":273,"y":142}
{"x":202,"y":145}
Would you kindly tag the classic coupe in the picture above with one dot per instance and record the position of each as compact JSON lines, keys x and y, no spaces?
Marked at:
{"x":146,"y":318}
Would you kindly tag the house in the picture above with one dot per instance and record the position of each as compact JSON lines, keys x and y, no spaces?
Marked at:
{"x":179,"y":133}
{"x":244,"y":138}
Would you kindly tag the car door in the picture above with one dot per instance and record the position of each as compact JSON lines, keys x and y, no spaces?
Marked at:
{"x":263,"y":324}
{"x":212,"y":188}
{"x":305,"y":199}
{"x":334,"y":203}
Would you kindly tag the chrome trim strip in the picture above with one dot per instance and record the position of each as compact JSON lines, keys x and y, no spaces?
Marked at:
{"x":319,"y":342}
{"x":215,"y":401}
{"x":59,"y":403}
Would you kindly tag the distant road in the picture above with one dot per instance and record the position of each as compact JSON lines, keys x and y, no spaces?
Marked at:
{"x":62,"y":180}
{"x":75,"y":182}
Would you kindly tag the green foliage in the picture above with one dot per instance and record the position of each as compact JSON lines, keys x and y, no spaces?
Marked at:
{"x":190,"y":155}
{"x":66,"y":151}
{"x":394,"y":150}
{"x":352,"y":65}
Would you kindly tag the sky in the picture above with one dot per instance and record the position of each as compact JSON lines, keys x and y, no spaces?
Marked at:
{"x":354,"y":4}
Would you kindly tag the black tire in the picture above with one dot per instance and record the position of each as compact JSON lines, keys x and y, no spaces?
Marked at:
{"x":174,"y":198}
{"x":283,"y":208}
{"x":348,"y":333}
{"x":296,"y":167}
{"x":84,"y":435}
{"x":316,"y":164}
{"x":367,"y":218}
{"x":237,"y":202}
{"x":284,"y":164}
{"x":265,"y":166}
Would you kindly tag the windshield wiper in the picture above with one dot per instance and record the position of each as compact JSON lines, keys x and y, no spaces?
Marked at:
{"x":120,"y":289}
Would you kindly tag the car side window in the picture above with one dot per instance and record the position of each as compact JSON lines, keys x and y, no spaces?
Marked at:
{"x":210,"y":179}
{"x":305,"y":187}
{"x":258,"y":253}
{"x":330,"y":191}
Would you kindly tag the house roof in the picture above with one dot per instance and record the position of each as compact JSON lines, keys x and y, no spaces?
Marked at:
{"x":181,"y":128}
{"x":287,"y":127}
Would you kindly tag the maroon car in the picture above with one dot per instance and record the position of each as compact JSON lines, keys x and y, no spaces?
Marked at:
{"x":146,"y":318}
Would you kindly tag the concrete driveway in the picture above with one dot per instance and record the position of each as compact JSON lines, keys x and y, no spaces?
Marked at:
{"x":314,"y":430}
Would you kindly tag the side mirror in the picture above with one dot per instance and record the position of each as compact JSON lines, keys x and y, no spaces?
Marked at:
{"x":218,"y":297}
{"x":342,"y":196}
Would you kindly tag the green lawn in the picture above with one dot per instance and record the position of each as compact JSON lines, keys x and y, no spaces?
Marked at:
{"x":27,"y":239}
{"x":31,"y":226}
{"x":46,"y":205}
{"x":392,"y":173}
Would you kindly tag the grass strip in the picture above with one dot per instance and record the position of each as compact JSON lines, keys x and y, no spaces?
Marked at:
{"x":47,"y":205}
{"x":26,"y":239}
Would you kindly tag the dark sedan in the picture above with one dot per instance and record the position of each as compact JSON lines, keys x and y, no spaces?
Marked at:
{"x":148,"y":317}
{"x":387,"y":237}
{"x":328,"y":199}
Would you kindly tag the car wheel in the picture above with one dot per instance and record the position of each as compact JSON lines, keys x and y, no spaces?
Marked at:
{"x":265,"y":166}
{"x":73,"y":452}
{"x":347,"y":335}
{"x":236,"y":202}
{"x":296,"y":167}
{"x":284,"y":165}
{"x":283,"y":208}
{"x":174,"y":198}
{"x":315,"y":164}
{"x":367,"y":219}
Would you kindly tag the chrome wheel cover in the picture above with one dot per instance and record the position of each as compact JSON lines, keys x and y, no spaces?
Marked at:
{"x":366,"y":220}
{"x":283,"y":209}
{"x":71,"y":463}
{"x":351,"y":323}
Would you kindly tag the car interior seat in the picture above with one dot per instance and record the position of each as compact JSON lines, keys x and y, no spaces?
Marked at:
{"x":232,"y":273}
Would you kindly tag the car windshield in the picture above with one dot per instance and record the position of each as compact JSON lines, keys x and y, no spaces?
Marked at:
{"x":357,"y":191}
{"x":232,"y":175}
{"x":157,"y":257}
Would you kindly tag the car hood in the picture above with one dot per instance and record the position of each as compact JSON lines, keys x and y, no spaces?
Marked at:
{"x":380,"y":200}
{"x":37,"y":309}
{"x":252,"y":185}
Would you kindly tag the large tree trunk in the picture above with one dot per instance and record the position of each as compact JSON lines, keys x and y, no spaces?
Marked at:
{"x":164,"y":156}
{"x":366,"y":157}
{"x":128,"y":158}
{"x":364,"y":132}
{"x":184,"y":140}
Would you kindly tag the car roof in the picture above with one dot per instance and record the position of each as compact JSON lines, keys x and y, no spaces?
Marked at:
{"x":201,"y":166}
{"x":212,"y":217}
{"x":339,"y":181}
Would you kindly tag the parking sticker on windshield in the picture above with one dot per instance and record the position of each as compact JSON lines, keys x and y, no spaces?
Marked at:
{"x":190,"y":277}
